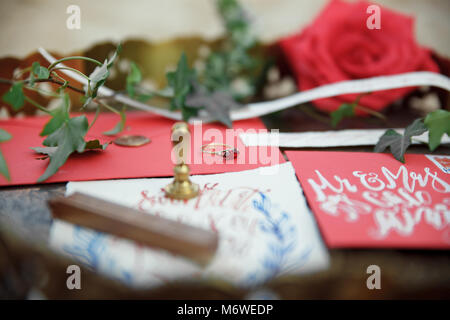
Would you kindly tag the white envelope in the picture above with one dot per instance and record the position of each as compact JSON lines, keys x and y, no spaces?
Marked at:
{"x":265,"y":229}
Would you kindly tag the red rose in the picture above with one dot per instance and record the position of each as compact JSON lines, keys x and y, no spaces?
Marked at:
{"x":339,"y":46}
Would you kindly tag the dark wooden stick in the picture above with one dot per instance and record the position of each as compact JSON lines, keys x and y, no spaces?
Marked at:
{"x":194,"y":243}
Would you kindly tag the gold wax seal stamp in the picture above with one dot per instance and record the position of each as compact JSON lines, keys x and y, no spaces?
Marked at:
{"x":181,"y":187}
{"x":131,"y":141}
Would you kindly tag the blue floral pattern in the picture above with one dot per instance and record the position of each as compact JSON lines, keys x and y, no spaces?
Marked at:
{"x":88,"y":248}
{"x":283,"y":240}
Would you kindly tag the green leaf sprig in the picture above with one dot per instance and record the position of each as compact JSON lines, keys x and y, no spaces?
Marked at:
{"x":65,"y":135}
{"x":437,"y":123}
{"x":234,"y":60}
{"x":211,"y":90}
{"x":348,"y":110}
{"x":186,"y":93}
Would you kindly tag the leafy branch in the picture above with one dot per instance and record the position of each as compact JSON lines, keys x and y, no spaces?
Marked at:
{"x":64,"y":134}
{"x":234,"y":60}
{"x":348,"y":110}
{"x":188,"y":91}
{"x":212,"y":89}
{"x":437,"y":123}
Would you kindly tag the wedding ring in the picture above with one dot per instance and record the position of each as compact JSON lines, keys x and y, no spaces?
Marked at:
{"x":227,"y":151}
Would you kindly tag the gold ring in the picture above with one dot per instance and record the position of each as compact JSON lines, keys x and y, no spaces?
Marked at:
{"x":227,"y":151}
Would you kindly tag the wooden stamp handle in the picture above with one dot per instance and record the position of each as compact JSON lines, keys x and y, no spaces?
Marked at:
{"x":191,"y":242}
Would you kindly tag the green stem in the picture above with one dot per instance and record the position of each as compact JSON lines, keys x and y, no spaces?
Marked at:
{"x":51,"y":80}
{"x":95,"y":117}
{"x":72,"y":69}
{"x":313,"y":114}
{"x":59,"y":77}
{"x":37,"y":105}
{"x":65,"y":82}
{"x":74,"y":58}
{"x":107,"y":106}
{"x":370,"y":111}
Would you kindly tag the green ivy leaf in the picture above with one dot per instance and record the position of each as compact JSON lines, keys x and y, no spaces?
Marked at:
{"x":99,"y":75}
{"x":50,"y":151}
{"x":58,"y":117}
{"x":180,"y":81}
{"x":115,"y":55}
{"x":236,"y":23}
{"x":133,"y":78}
{"x":345,"y":110}
{"x":4,"y":167}
{"x":398,"y":143}
{"x":188,"y":112}
{"x":98,"y":78}
{"x":438,"y":123}
{"x":68,"y":138}
{"x":216,"y":75}
{"x":234,"y":60}
{"x":4,"y":136}
{"x":40,"y":71}
{"x":119,"y":126}
{"x":14,"y":96}
{"x":57,"y":120}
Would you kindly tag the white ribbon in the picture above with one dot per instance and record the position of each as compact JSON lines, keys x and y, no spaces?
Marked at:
{"x":252,"y":110}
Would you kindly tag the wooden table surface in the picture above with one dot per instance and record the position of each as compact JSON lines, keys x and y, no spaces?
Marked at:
{"x":25,"y":223}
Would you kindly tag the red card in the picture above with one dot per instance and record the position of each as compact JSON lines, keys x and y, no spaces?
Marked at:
{"x":151,"y":160}
{"x":372,"y":200}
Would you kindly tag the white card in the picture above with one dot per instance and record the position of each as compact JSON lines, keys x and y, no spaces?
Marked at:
{"x":324,"y":139}
{"x":265,"y":229}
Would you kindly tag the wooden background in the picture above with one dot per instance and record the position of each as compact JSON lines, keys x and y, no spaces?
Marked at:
{"x":25,"y":260}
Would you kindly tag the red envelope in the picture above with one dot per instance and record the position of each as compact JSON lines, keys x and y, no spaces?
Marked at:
{"x":118,"y":162}
{"x":372,"y":200}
